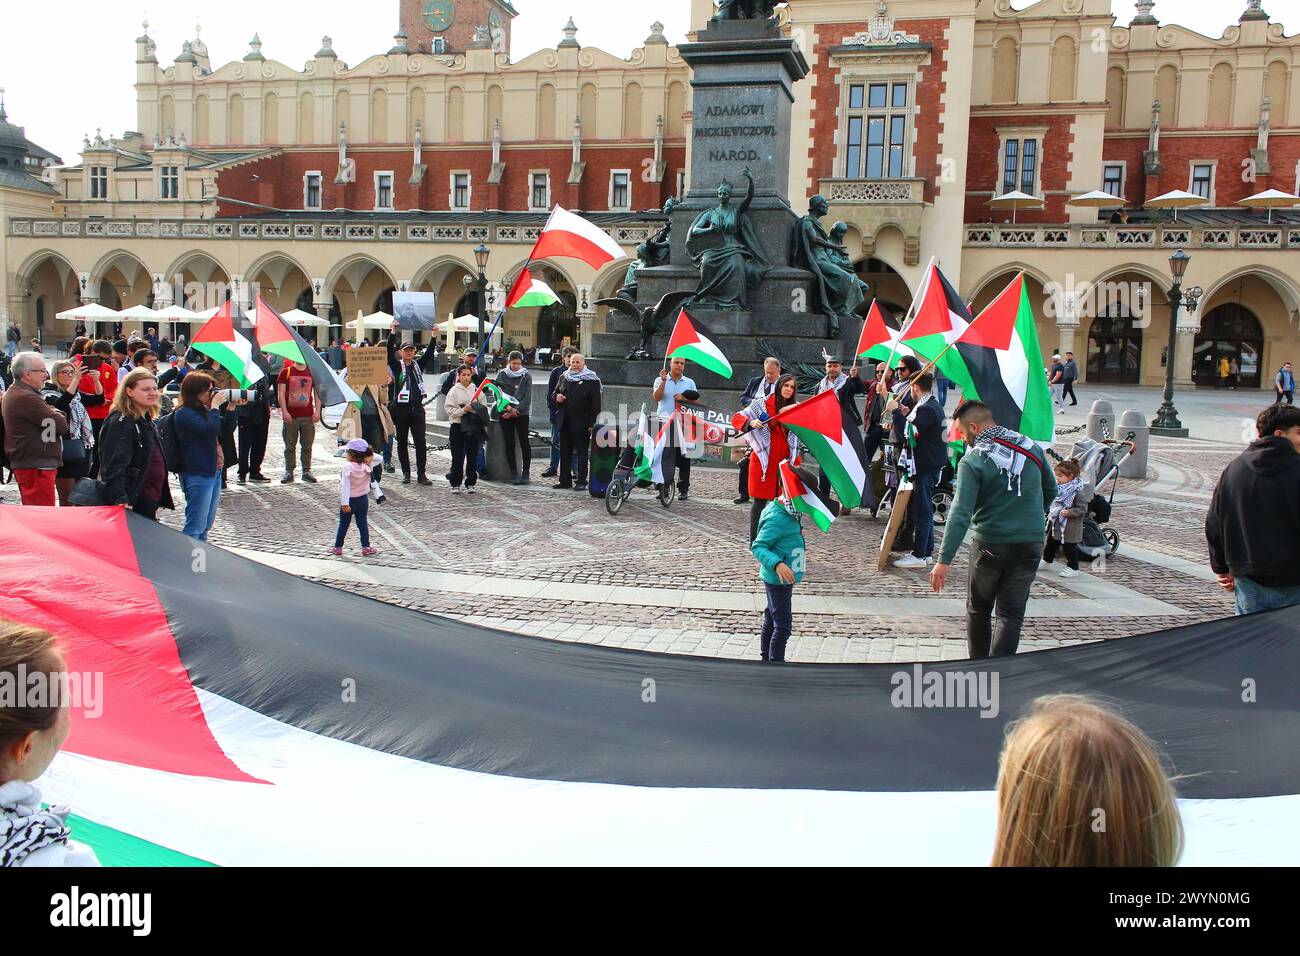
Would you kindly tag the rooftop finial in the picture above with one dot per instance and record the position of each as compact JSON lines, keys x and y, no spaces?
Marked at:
{"x":1143,"y":8}
{"x":254,"y":48}
{"x":3,"y":115}
{"x":570,"y":34}
{"x":1254,"y":11}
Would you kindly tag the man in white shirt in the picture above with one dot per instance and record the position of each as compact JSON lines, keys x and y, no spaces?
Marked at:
{"x":667,"y":391}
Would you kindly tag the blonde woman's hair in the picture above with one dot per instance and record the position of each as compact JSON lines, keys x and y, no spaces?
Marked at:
{"x":25,"y":650}
{"x":1079,"y":785}
{"x":122,"y":403}
{"x":59,"y":366}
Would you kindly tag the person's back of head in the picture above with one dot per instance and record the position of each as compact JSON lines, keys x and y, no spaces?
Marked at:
{"x":1079,"y":785}
{"x":101,"y":347}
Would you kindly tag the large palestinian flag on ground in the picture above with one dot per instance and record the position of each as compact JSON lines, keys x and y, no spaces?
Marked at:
{"x":220,"y":341}
{"x":1000,"y":352}
{"x":692,"y":342}
{"x":825,"y":429}
{"x":278,"y":337}
{"x":253,"y":717}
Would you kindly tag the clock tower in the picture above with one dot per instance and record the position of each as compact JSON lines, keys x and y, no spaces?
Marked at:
{"x":448,"y":26}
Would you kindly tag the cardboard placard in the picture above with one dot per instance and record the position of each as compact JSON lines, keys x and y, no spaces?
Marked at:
{"x":367,"y":366}
{"x":902,"y":499}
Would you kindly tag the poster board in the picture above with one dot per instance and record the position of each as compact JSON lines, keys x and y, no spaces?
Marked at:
{"x":896,"y":515}
{"x":367,"y":366}
{"x":416,"y":310}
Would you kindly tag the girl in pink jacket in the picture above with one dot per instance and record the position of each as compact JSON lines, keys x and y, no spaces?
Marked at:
{"x":354,"y":491}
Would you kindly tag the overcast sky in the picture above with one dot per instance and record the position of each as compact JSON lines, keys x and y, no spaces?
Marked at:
{"x":92,"y":44}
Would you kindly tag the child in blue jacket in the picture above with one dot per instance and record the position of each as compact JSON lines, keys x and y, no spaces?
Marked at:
{"x":779,"y":548}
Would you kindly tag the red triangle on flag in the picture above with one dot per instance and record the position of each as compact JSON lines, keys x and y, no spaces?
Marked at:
{"x":270,"y":328}
{"x":874,"y":330}
{"x":932,"y":316}
{"x":683,"y":333}
{"x":821,"y":414}
{"x":219,"y":328}
{"x":992,"y":328}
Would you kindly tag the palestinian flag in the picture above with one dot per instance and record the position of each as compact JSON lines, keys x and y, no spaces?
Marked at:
{"x":878,"y":341}
{"x":804,"y":499}
{"x":693,"y":343}
{"x":1001,"y":353}
{"x":569,"y":236}
{"x":238,"y":738}
{"x":940,"y":317}
{"x":824,"y":428}
{"x":528,"y":291}
{"x":220,"y":341}
{"x":650,"y":449}
{"x":500,"y":400}
{"x":278,"y":337}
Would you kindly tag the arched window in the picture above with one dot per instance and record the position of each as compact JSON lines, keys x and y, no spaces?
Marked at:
{"x":271,"y":119}
{"x":235,"y":123}
{"x":1006,"y":70}
{"x":1115,"y":89}
{"x":343,"y":114}
{"x":307,"y":118}
{"x":1063,"y":70}
{"x":1167,"y":94}
{"x":167,"y":116}
{"x":201,"y":120}
{"x":455,"y":114}
{"x":379,"y":117}
{"x":1275,"y":88}
{"x":546,"y":113}
{"x":415,"y":111}
{"x":494,"y":110}
{"x":1219,"y":107}
{"x":588,"y":110}
{"x":632,"y":111}
{"x":673,"y":119}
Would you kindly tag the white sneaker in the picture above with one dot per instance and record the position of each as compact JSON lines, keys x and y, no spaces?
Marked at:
{"x":1044,"y":566}
{"x":1060,"y":411}
{"x":455,"y":489}
{"x":469,"y":490}
{"x":912,"y":561}
{"x":1069,"y":573}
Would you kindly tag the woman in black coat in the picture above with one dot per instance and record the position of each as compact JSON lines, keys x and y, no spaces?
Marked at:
{"x":132,"y":469}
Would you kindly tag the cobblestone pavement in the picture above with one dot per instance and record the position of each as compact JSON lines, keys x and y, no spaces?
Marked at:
{"x":555,"y":563}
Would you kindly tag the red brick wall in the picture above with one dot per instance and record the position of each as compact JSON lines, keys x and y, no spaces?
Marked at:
{"x":1178,"y":152}
{"x":826,"y":100}
{"x":279,"y":179}
{"x":1053,"y":159}
{"x":469,"y":14}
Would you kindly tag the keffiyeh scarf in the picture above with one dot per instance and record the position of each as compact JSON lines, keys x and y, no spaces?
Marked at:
{"x":24,"y":826}
{"x":1065,"y":496}
{"x":1008,"y":462}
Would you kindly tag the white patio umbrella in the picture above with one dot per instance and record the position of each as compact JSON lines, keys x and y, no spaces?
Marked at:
{"x":1269,"y":199}
{"x":90,"y":313}
{"x":1176,"y":199}
{"x":1097,"y":199}
{"x":176,"y":313}
{"x":141,"y":312}
{"x":301,"y":317}
{"x":1015,"y":200}
{"x":462,"y":323}
{"x":375,"y":320}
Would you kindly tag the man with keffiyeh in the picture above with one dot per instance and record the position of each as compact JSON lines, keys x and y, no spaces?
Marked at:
{"x":1004,"y":490}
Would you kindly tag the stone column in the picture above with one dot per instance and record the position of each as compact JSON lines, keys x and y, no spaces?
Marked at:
{"x":1189,"y":324}
{"x":15,"y":314}
{"x":1067,"y":324}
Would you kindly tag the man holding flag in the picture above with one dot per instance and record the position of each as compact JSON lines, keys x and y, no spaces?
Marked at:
{"x":847,"y":388}
{"x":669,"y":386}
{"x":577,"y":400}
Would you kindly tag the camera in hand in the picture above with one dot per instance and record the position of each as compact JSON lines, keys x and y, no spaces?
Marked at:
{"x":220,"y":396}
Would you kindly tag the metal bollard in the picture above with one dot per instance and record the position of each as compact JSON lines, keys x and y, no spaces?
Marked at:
{"x":1134,"y":423}
{"x":1101,"y":421}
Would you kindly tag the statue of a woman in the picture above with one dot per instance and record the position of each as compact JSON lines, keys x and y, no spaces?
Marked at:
{"x":724,"y":246}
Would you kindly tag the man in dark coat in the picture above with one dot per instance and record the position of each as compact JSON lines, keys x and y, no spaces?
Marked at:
{"x":577,"y":399}
{"x":1253,"y":525}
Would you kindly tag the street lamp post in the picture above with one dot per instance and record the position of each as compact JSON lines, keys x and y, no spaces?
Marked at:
{"x":1166,"y":422}
{"x":481,"y":259}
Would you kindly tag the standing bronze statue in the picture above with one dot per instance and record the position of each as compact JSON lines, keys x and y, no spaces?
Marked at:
{"x":725,"y":248}
{"x":656,"y":247}
{"x":837,"y":290}
{"x":746,"y":9}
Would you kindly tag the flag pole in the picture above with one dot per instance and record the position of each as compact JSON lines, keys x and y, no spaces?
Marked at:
{"x":911,"y":311}
{"x":974,"y":318}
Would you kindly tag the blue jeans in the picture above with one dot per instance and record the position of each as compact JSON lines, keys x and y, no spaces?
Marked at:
{"x":941,"y":391}
{"x":777,"y":621}
{"x":202,"y":492}
{"x":1252,"y":596}
{"x":361,"y":511}
{"x":923,"y":485}
{"x":555,"y":449}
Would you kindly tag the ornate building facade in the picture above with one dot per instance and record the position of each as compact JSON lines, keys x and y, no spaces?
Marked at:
{"x":330,"y":185}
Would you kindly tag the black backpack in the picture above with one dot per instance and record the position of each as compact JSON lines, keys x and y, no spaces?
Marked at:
{"x":169,"y":442}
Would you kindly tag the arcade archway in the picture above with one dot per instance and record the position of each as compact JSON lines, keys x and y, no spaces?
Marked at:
{"x":1233,"y":332}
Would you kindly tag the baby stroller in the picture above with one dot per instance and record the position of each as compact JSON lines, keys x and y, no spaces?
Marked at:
{"x":624,"y":479}
{"x":1100,"y":461}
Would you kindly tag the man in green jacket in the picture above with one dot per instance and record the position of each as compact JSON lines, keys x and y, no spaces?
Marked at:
{"x":1004,"y":489}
